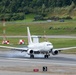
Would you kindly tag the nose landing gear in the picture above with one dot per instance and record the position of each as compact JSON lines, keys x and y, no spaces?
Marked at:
{"x":46,"y":55}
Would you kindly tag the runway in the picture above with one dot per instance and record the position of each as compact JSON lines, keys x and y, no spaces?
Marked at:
{"x":17,"y":63}
{"x":48,"y":36}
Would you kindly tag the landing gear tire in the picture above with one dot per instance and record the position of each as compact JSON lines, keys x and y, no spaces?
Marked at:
{"x":31,"y":56}
{"x":46,"y":56}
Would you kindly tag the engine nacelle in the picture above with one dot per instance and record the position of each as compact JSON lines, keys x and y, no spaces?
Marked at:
{"x":30,"y":51}
{"x":55,"y":52}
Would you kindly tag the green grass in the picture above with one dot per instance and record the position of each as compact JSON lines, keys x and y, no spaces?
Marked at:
{"x":57,"y":43}
{"x":38,"y":28}
{"x":28,"y":18}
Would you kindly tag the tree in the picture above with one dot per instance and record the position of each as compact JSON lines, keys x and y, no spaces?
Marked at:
{"x":43,"y":8}
{"x":32,"y":6}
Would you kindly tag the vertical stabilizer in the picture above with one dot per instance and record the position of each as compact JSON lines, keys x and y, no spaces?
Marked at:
{"x":29,"y":36}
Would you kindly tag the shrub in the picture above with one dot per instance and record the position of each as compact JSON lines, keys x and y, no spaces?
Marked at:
{"x":67,"y":18}
{"x":38,"y":17}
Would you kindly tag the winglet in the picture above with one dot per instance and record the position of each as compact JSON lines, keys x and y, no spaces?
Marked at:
{"x":29,"y":36}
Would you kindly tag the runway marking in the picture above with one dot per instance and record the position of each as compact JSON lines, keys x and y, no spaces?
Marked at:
{"x":35,"y":61}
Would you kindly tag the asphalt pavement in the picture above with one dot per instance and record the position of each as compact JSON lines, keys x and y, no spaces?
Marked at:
{"x":17,"y":63}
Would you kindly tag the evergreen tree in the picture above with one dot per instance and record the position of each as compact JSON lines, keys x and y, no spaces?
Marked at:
{"x":31,"y":6}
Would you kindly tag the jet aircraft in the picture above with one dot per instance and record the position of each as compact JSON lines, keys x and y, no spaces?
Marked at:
{"x":45,"y":48}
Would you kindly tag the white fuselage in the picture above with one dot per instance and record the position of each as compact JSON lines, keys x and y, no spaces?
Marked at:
{"x":43,"y":46}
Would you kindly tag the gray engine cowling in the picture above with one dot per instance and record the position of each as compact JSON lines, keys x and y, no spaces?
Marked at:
{"x":55,"y":52}
{"x":30,"y":51}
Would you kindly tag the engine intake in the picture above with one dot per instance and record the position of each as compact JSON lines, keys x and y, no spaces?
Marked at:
{"x":31,"y":51}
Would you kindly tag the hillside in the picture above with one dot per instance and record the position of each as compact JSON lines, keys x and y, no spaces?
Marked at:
{"x":63,"y":12}
{"x":18,"y":9}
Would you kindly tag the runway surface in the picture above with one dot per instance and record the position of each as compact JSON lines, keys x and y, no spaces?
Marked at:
{"x":17,"y":63}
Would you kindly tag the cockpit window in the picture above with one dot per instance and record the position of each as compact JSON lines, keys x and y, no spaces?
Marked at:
{"x":48,"y":44}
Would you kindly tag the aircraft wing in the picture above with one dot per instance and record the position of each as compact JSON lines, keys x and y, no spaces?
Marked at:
{"x":60,"y":49}
{"x":15,"y":48}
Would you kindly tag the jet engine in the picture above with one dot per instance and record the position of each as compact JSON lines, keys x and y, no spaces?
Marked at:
{"x":30,"y":51}
{"x":55,"y":52}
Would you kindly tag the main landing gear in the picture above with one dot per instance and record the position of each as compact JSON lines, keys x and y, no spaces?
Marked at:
{"x":31,"y":56}
{"x":46,"y":56}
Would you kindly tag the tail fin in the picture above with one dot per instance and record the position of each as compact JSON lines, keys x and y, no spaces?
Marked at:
{"x":29,"y":36}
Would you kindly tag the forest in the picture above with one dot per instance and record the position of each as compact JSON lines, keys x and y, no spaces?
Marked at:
{"x":18,"y":9}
